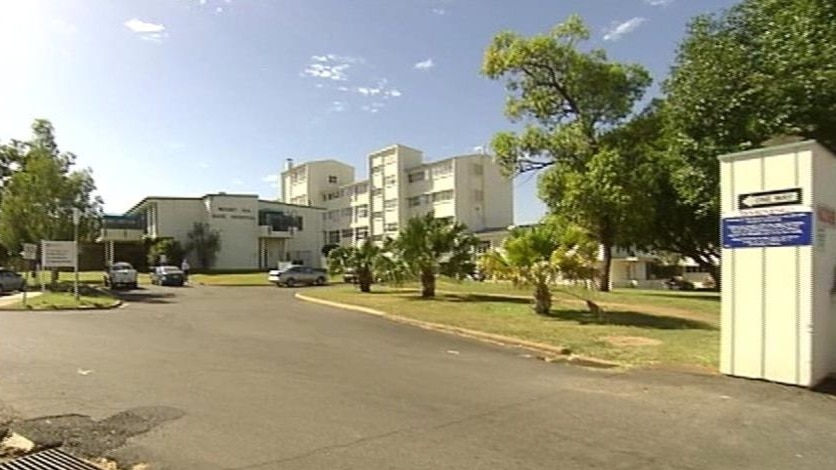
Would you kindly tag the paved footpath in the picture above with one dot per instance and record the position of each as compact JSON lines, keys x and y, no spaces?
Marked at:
{"x":250,"y":378}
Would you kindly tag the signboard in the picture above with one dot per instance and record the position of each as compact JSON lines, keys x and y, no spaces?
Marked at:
{"x":30,"y":251}
{"x":763,"y":231}
{"x":781,"y":197}
{"x":58,"y":254}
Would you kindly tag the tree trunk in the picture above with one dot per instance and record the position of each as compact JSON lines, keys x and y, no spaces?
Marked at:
{"x":364,"y":280}
{"x":542,"y":299}
{"x":427,"y":284}
{"x":605,"y":272}
{"x":715,"y":272}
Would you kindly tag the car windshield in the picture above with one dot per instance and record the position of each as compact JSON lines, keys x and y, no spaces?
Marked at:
{"x":122,"y":267}
{"x":170,"y":269}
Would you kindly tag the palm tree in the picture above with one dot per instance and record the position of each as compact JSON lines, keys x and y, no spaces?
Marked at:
{"x":360,"y":259}
{"x":431,"y":246}
{"x":526,"y":260}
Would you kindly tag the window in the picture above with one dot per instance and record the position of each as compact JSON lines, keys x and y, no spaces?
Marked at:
{"x":442,"y":196}
{"x":332,"y":179}
{"x":417,"y":176}
{"x":361,"y":211}
{"x":334,"y":214}
{"x":442,"y":170}
{"x":345,"y":192}
{"x":377,"y":170}
{"x":377,"y":238}
{"x":389,"y":180}
{"x":347,"y":233}
{"x":362,"y":233}
{"x":390,"y":204}
{"x":334,"y":237}
{"x":389,"y":158}
{"x":297,"y":176}
{"x":361,"y":189}
{"x":332,"y":195}
{"x":377,"y":215}
{"x":346,"y":212}
{"x":392,"y":227}
{"x":377,"y":192}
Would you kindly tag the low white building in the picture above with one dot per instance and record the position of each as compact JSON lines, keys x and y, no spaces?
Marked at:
{"x":254,"y":233}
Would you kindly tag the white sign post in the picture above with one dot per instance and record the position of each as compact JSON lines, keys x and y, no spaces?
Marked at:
{"x":59,"y":254}
{"x":76,"y":220}
{"x":29,"y":253}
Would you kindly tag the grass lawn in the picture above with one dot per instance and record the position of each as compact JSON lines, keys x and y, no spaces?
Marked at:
{"x":698,"y":305}
{"x":628,"y":336}
{"x":66,"y":300}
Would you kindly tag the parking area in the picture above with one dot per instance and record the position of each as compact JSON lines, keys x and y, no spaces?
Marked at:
{"x":249,"y":377}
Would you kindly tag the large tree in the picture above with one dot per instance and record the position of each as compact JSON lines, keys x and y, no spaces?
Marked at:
{"x":430,"y":246}
{"x":573,"y":104}
{"x":204,"y":243}
{"x":758,"y":70}
{"x":40,"y":189}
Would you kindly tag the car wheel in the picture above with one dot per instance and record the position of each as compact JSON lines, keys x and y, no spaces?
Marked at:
{"x":290,"y":282}
{"x":320,"y":281}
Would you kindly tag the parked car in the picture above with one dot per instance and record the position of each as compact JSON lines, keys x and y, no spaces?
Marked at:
{"x":11,"y":281}
{"x":168,"y":276}
{"x":298,"y":275}
{"x":679,"y":283}
{"x":121,"y":274}
{"x":350,"y":276}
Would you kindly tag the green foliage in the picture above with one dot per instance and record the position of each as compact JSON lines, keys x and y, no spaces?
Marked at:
{"x":432,"y":247}
{"x":40,"y":190}
{"x":362,"y":260}
{"x":171,"y":248}
{"x":204,"y":243}
{"x":575,"y":104}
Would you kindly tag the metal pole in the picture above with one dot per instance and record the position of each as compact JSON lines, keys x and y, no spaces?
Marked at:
{"x":75,"y":240}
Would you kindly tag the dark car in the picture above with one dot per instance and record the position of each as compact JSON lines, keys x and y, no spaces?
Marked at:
{"x":168,"y":276}
{"x":11,"y":281}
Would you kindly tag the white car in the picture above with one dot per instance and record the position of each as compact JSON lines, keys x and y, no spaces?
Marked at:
{"x":121,"y":274}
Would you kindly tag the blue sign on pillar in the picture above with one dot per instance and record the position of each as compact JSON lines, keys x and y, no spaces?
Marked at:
{"x":763,"y":231}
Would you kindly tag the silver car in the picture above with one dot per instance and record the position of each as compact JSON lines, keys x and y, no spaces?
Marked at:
{"x":297,"y":275}
{"x":11,"y":281}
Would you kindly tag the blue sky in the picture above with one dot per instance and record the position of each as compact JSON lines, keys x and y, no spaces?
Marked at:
{"x":187,"y":97}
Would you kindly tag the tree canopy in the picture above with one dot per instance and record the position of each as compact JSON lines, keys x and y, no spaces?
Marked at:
{"x":574,"y":105}
{"x":40,"y":189}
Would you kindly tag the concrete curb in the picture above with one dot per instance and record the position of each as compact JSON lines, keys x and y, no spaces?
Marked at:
{"x":547,"y":352}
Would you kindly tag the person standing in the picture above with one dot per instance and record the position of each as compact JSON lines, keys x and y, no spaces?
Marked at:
{"x":184,"y":266}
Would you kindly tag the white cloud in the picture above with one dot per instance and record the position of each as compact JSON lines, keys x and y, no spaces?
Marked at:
{"x":659,"y":3}
{"x":154,"y":37}
{"x":338,"y":106}
{"x":273,"y":180}
{"x":138,"y":26}
{"x":617,"y":30}
{"x":331,"y":67}
{"x":374,"y":107}
{"x":425,"y":65}
{"x":219,"y":10}
{"x":441,"y":11}
{"x":479,"y":149}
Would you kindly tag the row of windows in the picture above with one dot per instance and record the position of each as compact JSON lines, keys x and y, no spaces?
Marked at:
{"x":438,"y":196}
{"x":333,"y":237}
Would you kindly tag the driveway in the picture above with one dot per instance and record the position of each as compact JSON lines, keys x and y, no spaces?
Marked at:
{"x":249,"y":378}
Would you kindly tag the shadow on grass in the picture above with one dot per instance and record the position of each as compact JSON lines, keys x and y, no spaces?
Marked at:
{"x":626,"y":318}
{"x":715,"y":298}
{"x":583,"y":317}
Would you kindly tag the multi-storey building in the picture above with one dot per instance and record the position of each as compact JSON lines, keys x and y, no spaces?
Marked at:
{"x":401,"y":185}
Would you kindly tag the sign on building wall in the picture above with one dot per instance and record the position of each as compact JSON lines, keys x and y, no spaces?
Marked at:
{"x":761,"y":231}
{"x":781,"y":197}
{"x":58,"y":254}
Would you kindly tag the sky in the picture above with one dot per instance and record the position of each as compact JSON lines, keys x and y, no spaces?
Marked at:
{"x":189,"y":97}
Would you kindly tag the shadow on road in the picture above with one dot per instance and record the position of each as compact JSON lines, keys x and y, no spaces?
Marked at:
{"x":147,"y":296}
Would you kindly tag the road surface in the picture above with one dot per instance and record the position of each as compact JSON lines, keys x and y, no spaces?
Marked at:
{"x":249,"y":378}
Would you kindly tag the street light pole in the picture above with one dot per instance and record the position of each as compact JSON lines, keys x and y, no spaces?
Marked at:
{"x":76,"y":220}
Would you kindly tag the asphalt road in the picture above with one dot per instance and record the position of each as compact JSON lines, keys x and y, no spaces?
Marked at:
{"x":249,"y":378}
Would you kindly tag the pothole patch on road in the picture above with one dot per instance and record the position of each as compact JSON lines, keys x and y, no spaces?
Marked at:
{"x":82,"y":436}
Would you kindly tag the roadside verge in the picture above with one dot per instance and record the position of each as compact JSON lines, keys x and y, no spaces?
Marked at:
{"x":546,"y":352}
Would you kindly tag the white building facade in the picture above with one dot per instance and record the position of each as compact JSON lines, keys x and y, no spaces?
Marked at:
{"x":254,"y":233}
{"x":401,"y":185}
